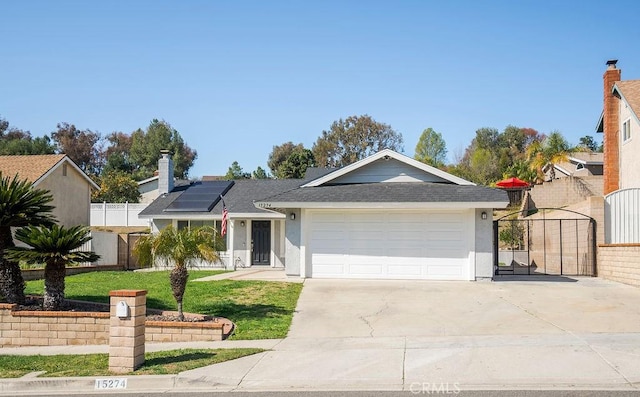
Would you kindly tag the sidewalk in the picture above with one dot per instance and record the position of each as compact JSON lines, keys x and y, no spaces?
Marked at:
{"x":534,"y":362}
{"x":149,"y":347}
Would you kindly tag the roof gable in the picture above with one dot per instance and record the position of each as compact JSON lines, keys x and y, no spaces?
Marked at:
{"x":387,"y":166}
{"x":36,"y":167}
{"x":629,"y":92}
{"x":29,"y":167}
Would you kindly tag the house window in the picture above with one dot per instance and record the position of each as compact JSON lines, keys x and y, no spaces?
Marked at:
{"x":193,"y":223}
{"x":579,"y":166}
{"x":626,"y":130}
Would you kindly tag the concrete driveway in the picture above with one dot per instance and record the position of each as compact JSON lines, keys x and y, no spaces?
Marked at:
{"x":420,"y":336}
{"x":353,"y":308}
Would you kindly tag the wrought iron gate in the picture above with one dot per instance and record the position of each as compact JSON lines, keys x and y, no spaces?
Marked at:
{"x":551,"y":241}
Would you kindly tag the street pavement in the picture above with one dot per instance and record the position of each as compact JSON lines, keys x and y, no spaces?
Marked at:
{"x":424,"y":338}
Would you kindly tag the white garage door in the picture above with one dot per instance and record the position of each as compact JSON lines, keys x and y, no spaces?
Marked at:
{"x":391,"y":245}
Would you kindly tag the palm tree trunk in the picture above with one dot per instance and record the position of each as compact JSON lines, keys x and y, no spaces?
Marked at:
{"x":11,"y":281}
{"x":54,"y":274}
{"x":178,"y":277}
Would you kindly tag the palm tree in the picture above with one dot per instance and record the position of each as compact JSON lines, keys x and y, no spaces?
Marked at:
{"x":553,"y":149}
{"x":20,"y":205}
{"x":56,"y":247}
{"x":183,"y":248}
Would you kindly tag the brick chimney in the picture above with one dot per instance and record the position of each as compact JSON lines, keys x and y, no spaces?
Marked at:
{"x":611,"y":128}
{"x":165,"y":173}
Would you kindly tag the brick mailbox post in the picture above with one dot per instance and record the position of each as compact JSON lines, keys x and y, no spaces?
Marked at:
{"x":126,"y":330}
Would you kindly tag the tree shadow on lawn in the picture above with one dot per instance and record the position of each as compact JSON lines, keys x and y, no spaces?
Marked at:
{"x":238,"y":312}
{"x":178,"y":358}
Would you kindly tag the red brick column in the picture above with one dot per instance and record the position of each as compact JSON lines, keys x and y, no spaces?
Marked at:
{"x":611,"y":126}
{"x":126,"y":334}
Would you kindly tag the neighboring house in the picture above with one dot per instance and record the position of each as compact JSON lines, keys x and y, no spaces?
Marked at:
{"x":70,"y":186}
{"x":148,"y":188}
{"x":619,"y":257}
{"x":578,"y":164}
{"x":387,"y":216}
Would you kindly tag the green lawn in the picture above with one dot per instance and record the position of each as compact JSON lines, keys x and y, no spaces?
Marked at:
{"x":260,"y":309}
{"x":156,"y":363}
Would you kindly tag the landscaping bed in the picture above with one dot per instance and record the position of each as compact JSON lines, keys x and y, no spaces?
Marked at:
{"x":259,"y":309}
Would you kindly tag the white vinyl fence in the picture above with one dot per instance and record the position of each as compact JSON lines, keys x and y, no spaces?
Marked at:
{"x":622,"y":216}
{"x":104,"y":244}
{"x":117,"y":214}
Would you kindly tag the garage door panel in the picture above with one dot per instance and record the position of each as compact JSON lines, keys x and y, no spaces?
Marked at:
{"x":369,"y":270}
{"x":328,"y":269}
{"x":367,"y":235}
{"x":443,"y":270}
{"x":390,"y":244}
{"x":405,"y":270}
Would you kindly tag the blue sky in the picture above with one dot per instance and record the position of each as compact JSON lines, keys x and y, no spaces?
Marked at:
{"x":236,"y":78}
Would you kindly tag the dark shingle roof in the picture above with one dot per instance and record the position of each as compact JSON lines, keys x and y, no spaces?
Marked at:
{"x":239,"y":199}
{"x":391,"y":192}
{"x":317,"y":172}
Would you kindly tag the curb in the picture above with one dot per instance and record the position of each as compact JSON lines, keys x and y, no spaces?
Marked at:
{"x":85,"y":385}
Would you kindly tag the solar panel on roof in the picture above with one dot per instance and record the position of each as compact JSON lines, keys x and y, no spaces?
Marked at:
{"x":200,"y":197}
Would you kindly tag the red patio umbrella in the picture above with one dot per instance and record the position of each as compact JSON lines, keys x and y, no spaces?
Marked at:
{"x":512,"y":182}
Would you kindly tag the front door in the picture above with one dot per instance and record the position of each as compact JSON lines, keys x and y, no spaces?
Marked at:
{"x":260,"y":242}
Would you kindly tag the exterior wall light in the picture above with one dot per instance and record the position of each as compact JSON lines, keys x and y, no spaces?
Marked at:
{"x":242,"y":223}
{"x":292,"y":216}
{"x":483,"y":215}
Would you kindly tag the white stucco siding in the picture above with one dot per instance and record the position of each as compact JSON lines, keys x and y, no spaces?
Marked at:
{"x":629,"y":149}
{"x":391,"y":244}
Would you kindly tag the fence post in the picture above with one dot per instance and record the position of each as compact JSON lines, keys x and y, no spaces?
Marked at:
{"x":126,"y":213}
{"x":104,"y":213}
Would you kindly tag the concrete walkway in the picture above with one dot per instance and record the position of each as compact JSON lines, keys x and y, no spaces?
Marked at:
{"x":417,"y":335}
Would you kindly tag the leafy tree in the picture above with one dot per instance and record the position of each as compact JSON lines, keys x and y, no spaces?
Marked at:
{"x":182,"y":248}
{"x":588,"y":143}
{"x":56,"y":247}
{"x":146,"y":146}
{"x":117,"y":154}
{"x":117,"y":187}
{"x":236,"y":172}
{"x":513,"y":235}
{"x":431,"y":148}
{"x":295,"y":166}
{"x":16,"y":141}
{"x":20,"y":205}
{"x":492,"y":155}
{"x":259,"y":173}
{"x":353,"y":139}
{"x":80,"y":145}
{"x":480,"y":161}
{"x":280,"y":154}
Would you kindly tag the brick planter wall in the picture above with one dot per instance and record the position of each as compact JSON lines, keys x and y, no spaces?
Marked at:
{"x":42,"y":328}
{"x":619,"y":262}
{"x":168,"y":331}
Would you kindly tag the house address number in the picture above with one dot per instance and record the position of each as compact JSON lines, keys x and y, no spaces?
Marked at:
{"x":112,"y":383}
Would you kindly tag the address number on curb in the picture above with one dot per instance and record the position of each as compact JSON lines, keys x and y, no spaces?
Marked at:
{"x":110,"y":384}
